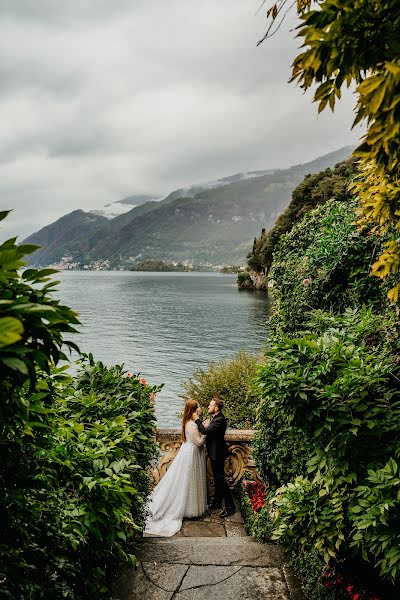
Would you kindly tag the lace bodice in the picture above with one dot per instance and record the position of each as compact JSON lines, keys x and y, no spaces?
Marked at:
{"x":193,"y":435}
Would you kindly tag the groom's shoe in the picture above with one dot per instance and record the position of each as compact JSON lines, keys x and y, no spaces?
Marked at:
{"x":228,"y":510}
{"x":214,"y":505}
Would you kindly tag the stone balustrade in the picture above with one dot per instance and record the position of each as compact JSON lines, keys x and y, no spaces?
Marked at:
{"x":239,"y":459}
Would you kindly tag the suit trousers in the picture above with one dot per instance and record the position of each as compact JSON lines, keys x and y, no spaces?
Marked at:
{"x":221,"y":487}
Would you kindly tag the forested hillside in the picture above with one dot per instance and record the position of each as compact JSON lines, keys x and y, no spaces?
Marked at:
{"x":214,"y":225}
{"x":313,"y":191}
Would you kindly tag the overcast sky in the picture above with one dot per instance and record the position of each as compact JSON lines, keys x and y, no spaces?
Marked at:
{"x":101,"y":99}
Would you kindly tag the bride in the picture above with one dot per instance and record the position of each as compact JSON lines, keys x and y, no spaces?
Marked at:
{"x":182,"y":492}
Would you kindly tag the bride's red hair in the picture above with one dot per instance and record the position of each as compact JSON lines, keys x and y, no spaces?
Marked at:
{"x":190,"y":407}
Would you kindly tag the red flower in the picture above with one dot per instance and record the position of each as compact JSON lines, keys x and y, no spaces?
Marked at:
{"x":356,"y":596}
{"x":256,"y":493}
{"x":129,"y":374}
{"x":349,"y":589}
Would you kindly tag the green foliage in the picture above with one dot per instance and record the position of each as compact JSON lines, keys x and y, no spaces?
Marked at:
{"x":73,"y":453}
{"x":32,"y":329}
{"x":158,"y":265}
{"x":280,"y":451}
{"x":310,"y":571}
{"x":305,"y":561}
{"x":323,"y":263}
{"x":87,"y":479}
{"x":339,"y":386}
{"x":244,"y":280}
{"x":231,"y":380}
{"x":358,"y":43}
{"x":312,"y":192}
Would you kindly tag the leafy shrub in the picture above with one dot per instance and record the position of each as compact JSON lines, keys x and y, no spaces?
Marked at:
{"x":244,"y":280}
{"x":306,"y":563}
{"x":87,"y":480}
{"x":315,"y":190}
{"x":281,"y":451}
{"x":231,"y":380}
{"x":339,"y":386}
{"x":323,"y":263}
{"x":73,"y":453}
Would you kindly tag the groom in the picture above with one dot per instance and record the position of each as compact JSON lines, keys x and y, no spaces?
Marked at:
{"x":214,"y":428}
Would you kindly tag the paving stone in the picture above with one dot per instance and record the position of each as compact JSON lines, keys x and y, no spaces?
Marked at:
{"x":134,"y":585}
{"x":212,"y":517}
{"x":235,"y":518}
{"x":247,"y":584}
{"x":235,"y":529}
{"x":228,"y":551}
{"x":206,"y":575}
{"x":210,"y":558}
{"x":202,"y":529}
{"x":165,"y":576}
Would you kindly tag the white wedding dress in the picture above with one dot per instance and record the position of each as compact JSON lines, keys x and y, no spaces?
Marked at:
{"x":182,"y":492}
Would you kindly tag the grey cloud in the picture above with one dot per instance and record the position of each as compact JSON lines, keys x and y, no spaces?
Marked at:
{"x":102,"y":99}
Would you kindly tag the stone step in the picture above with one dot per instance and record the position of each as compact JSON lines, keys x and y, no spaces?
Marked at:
{"x":208,"y":551}
{"x":206,"y":569}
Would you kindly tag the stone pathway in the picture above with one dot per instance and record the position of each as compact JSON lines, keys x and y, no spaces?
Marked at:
{"x":209,"y":559}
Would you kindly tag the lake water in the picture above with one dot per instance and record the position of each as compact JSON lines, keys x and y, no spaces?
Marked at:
{"x":164,"y":325}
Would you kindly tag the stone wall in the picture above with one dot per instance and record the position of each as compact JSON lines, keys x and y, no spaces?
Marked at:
{"x":239,"y":459}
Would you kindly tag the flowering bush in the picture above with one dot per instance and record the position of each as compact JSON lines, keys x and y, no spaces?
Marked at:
{"x":256,"y":493}
{"x":345,"y":587}
{"x":338,"y":385}
{"x":73,"y":452}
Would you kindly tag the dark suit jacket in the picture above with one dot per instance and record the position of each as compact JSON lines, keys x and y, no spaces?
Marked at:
{"x":215,"y":432}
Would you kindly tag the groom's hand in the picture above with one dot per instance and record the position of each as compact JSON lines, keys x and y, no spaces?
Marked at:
{"x":206,"y":422}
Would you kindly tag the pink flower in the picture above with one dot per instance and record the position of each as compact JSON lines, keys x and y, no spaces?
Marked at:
{"x":129,"y":374}
{"x":152,"y":396}
{"x":307,"y":281}
{"x":142,"y":381}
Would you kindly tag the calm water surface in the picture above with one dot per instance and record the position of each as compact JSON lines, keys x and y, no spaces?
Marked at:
{"x":164,"y":325}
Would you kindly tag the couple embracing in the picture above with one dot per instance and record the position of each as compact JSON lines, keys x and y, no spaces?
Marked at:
{"x":182,"y":492}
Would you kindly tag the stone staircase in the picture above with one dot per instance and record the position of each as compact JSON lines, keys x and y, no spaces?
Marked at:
{"x":207,"y":560}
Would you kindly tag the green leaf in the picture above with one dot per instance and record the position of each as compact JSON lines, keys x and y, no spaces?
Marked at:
{"x":4,"y":214}
{"x":16,"y":364}
{"x":11,"y":331}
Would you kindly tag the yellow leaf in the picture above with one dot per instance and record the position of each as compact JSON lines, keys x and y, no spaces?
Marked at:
{"x":393,"y":294}
{"x":370,"y":84}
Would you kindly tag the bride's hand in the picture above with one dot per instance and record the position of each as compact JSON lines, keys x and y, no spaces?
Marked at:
{"x":206,"y":422}
{"x":197,"y":413}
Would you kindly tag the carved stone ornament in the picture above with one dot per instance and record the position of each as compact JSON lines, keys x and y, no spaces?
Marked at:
{"x":239,"y":459}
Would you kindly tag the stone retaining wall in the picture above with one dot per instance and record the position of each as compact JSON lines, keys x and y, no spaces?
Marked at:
{"x":239,"y":459}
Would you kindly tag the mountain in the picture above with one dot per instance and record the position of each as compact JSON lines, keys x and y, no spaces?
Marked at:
{"x":193,"y":190}
{"x":68,"y":236}
{"x":110,"y":211}
{"x":213,"y":223}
